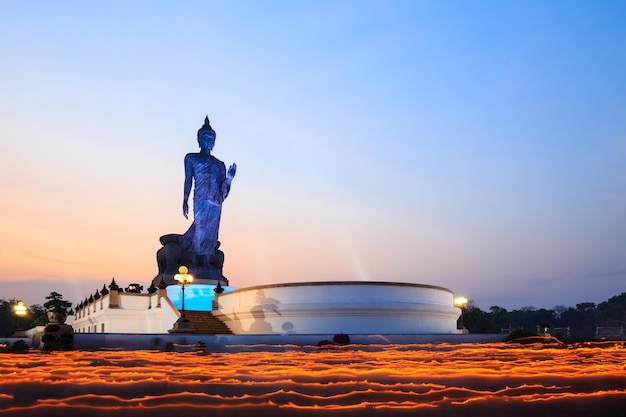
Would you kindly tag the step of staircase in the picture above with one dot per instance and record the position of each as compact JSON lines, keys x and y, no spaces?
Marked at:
{"x":206,"y":323}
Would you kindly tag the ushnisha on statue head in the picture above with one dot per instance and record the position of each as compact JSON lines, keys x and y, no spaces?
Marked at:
{"x":206,"y":136}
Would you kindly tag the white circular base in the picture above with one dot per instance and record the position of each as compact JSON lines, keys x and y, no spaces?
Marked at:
{"x":350,"y":307}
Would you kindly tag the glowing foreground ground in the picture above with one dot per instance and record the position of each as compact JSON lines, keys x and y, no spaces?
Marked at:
{"x":415,"y":380}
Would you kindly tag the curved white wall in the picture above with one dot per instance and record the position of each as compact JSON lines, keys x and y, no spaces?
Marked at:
{"x":351,"y":307}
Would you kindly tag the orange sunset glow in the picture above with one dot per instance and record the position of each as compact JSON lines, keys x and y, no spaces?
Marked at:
{"x":425,"y":380}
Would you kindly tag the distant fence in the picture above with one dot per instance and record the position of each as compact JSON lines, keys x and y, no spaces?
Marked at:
{"x":559,"y":331}
{"x":609,"y":331}
{"x":552,"y":331}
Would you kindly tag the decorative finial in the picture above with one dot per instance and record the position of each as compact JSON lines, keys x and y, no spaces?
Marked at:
{"x":113,"y":285}
{"x":206,"y":127}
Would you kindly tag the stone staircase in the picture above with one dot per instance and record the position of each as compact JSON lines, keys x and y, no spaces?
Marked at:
{"x":206,"y":323}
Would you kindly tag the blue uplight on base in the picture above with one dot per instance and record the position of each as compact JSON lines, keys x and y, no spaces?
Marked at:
{"x":198,"y":297}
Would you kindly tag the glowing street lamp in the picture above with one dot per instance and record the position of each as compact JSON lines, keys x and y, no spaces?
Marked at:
{"x":461,"y":302}
{"x":183,"y":279}
{"x":183,"y":325}
{"x":20,"y":309}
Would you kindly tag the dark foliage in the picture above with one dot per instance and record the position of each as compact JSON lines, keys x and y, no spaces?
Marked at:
{"x":9,"y":321}
{"x":521,"y":335}
{"x":19,"y":346}
{"x":36,"y":314}
{"x":57,"y":303}
{"x":581,"y":320}
{"x":341,"y":339}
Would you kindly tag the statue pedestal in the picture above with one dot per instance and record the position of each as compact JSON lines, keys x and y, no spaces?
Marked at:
{"x":58,"y":336}
{"x":182,"y":325}
{"x":171,"y":256}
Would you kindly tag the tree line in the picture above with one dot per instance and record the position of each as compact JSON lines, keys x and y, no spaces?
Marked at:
{"x":581,"y":320}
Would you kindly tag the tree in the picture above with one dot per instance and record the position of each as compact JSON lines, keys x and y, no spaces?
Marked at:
{"x":474,"y":319}
{"x":558,"y":310}
{"x":38,"y":313}
{"x":56,"y":303}
{"x":499,"y":319}
{"x":612,"y":312}
{"x":585,"y":307}
{"x":57,"y":307}
{"x":581,"y":321}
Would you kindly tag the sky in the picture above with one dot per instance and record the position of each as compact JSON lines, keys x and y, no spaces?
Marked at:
{"x":478,"y":146}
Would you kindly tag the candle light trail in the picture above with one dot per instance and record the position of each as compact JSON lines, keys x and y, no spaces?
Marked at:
{"x":434,"y":379}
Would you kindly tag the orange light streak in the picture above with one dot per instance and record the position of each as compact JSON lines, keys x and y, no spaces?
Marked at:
{"x":436,"y":379}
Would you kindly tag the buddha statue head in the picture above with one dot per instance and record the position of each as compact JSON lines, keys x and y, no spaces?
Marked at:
{"x":206,"y":135}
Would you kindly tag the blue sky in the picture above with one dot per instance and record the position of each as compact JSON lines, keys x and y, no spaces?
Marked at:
{"x":480,"y":146}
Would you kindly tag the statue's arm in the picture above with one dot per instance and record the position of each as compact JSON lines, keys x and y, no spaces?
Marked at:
{"x":229,"y":178}
{"x":187,"y":185}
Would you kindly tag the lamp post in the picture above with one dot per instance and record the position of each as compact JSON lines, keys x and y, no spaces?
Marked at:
{"x":183,"y":279}
{"x":460,"y":302}
{"x":20,"y":309}
{"x":183,"y":325}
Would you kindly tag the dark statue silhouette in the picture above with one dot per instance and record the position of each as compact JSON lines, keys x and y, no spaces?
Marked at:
{"x":198,"y":247}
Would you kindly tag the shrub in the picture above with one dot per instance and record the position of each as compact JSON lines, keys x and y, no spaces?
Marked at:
{"x":341,"y":339}
{"x":19,"y":346}
{"x":519,"y":335}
